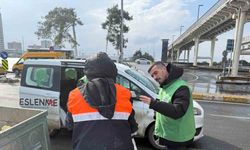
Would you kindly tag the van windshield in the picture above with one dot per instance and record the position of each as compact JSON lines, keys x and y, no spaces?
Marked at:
{"x":143,"y":79}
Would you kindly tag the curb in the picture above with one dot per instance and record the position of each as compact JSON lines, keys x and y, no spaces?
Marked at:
{"x":221,"y":97}
{"x":8,"y":80}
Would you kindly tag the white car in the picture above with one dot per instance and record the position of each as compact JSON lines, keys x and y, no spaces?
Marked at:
{"x":45,"y":85}
{"x":142,"y":61}
{"x":145,"y":85}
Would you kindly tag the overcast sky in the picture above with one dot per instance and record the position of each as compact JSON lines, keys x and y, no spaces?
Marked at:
{"x":153,"y":20}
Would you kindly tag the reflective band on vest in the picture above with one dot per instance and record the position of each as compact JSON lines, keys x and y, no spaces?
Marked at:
{"x":98,"y":116}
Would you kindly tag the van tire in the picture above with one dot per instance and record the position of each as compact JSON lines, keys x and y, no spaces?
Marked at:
{"x":53,"y":133}
{"x":17,"y":72}
{"x":153,"y":139}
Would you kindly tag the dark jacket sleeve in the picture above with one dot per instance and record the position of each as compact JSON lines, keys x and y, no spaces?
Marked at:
{"x":178,"y":107}
{"x":69,"y":121}
{"x":132,"y":122}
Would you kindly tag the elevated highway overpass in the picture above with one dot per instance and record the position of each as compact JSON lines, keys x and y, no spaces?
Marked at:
{"x":220,"y":18}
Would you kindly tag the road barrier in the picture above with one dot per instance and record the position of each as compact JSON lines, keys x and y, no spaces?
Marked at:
{"x":221,"y":97}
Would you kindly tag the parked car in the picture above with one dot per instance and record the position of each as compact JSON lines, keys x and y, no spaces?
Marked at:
{"x":45,"y":84}
{"x":142,"y":61}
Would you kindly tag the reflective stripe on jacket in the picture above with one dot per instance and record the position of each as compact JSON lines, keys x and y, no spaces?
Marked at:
{"x":93,"y":131}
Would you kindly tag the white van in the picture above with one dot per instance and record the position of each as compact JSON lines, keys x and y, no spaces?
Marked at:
{"x":45,"y":84}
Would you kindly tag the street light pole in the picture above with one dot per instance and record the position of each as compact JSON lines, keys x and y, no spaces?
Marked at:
{"x":75,"y":45}
{"x":181,"y":29}
{"x":121,"y":45}
{"x":198,"y":15}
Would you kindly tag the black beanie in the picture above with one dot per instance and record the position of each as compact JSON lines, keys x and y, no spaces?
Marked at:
{"x":100,"y":66}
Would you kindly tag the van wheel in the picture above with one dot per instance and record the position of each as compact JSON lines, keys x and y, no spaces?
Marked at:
{"x":154,"y":140}
{"x":53,"y":132}
{"x":17,"y":72}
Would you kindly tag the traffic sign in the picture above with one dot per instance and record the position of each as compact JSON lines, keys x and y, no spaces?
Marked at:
{"x":51,"y":48}
{"x":230,"y":45}
{"x":4,"y":55}
{"x":5,"y":64}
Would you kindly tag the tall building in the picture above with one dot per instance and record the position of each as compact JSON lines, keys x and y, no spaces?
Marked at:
{"x":1,"y":34}
{"x":15,"y":45}
{"x":46,"y":44}
{"x":34,"y":46}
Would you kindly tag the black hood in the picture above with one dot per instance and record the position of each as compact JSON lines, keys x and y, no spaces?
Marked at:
{"x":174,"y":73}
{"x":100,"y":66}
{"x":100,"y":91}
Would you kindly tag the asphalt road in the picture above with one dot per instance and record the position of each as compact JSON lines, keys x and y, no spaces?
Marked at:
{"x":226,"y":128}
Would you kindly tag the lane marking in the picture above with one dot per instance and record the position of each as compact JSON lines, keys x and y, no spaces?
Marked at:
{"x":196,"y":77}
{"x":233,"y":117}
{"x":220,"y":102}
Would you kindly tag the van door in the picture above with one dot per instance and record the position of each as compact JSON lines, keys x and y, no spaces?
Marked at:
{"x":138,"y":106}
{"x":40,"y":89}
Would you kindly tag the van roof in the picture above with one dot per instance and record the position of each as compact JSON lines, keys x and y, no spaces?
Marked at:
{"x":54,"y":62}
{"x":63,"y":62}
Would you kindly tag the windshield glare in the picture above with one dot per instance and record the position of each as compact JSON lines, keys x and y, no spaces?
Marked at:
{"x":143,"y":79}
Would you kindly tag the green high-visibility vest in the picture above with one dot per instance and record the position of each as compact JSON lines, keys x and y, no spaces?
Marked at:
{"x":177,"y":130}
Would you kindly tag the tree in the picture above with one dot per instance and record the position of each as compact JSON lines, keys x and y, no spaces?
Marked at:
{"x":138,"y":54}
{"x":113,"y":26}
{"x":149,"y":57}
{"x":56,"y":26}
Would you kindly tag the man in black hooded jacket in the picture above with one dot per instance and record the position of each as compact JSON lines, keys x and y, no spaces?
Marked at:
{"x":101,"y":109}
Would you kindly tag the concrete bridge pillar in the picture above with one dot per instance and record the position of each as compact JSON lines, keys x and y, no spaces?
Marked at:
{"x":239,"y":33}
{"x":188,"y":52}
{"x":185,"y":53}
{"x":212,"y":52}
{"x":196,"y":50}
{"x":178,"y":54}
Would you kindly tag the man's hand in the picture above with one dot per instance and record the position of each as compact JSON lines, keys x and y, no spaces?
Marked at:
{"x":145,"y":99}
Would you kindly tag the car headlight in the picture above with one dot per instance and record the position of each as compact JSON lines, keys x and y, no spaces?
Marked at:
{"x":197,"y":111}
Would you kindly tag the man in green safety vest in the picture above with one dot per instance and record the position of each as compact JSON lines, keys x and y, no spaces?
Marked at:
{"x":175,"y":125}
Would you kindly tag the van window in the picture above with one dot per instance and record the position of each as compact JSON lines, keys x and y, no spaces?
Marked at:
{"x":129,"y":85}
{"x":70,"y":74}
{"x":143,"y":80}
{"x":40,"y":77}
{"x":123,"y":81}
